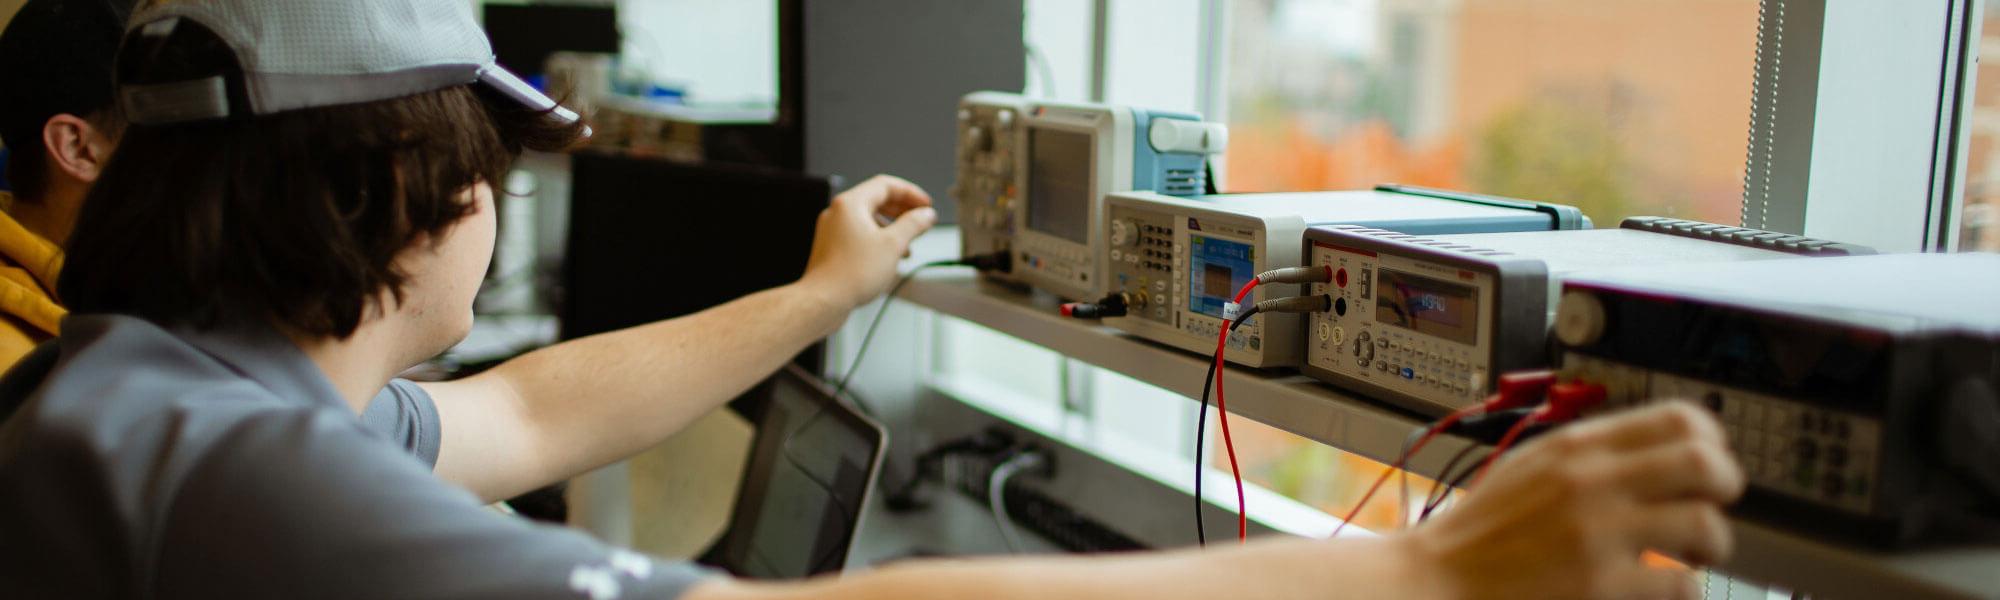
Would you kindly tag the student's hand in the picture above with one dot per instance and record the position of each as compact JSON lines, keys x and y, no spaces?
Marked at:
{"x":1570,"y":514}
{"x":853,"y":256}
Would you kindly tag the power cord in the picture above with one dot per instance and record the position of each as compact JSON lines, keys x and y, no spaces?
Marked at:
{"x":996,"y":487}
{"x":990,"y":442}
{"x":1200,"y":439}
{"x":995,"y":261}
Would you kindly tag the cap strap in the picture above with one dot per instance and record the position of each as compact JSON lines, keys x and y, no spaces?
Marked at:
{"x":180,"y":101}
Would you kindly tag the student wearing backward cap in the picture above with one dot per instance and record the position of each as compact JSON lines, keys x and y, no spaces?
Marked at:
{"x":302,"y":208}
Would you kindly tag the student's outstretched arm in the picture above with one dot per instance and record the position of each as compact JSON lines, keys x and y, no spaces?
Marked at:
{"x":563,"y":410}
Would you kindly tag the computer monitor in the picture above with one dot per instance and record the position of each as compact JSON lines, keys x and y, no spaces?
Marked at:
{"x":812,"y":468}
{"x":653,"y":239}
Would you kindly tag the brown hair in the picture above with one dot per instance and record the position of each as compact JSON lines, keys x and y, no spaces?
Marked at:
{"x":294,"y":218}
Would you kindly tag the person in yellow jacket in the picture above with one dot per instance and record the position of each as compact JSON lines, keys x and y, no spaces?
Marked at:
{"x":59,"y":124}
{"x":28,"y":267}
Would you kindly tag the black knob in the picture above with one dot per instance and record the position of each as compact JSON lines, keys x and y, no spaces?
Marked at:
{"x":1806,"y":449}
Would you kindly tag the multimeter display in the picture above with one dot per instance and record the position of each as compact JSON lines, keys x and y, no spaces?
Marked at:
{"x":1217,"y":268}
{"x":1428,"y":306}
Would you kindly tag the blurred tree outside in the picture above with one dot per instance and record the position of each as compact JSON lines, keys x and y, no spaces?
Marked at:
{"x":1550,"y":148}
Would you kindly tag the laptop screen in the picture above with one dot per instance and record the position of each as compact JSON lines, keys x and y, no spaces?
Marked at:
{"x":811,"y":468}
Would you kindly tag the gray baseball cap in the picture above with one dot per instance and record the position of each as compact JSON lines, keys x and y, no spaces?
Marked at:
{"x":313,"y":53}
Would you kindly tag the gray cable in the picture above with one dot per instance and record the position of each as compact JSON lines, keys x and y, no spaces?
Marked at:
{"x":1296,"y":304}
{"x":854,"y":366}
{"x":997,"y":483}
{"x":1295,"y":275}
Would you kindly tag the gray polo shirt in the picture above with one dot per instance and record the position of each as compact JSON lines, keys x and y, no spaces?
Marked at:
{"x":144,"y":462}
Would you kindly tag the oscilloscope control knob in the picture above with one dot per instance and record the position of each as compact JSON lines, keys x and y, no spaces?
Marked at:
{"x":1121,"y":232}
{"x":1580,"y":319}
{"x":981,"y":140}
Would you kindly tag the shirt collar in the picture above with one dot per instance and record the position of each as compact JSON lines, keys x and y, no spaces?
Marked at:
{"x":259,"y":353}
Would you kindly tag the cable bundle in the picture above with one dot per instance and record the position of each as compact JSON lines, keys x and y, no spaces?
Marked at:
{"x":1232,"y":319}
{"x":1553,"y":403}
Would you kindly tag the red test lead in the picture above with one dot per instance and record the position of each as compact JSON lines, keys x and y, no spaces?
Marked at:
{"x":1566,"y":402}
{"x":1515,"y":390}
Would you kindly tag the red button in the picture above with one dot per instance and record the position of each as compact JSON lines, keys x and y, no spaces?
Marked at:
{"x":1340,"y":277}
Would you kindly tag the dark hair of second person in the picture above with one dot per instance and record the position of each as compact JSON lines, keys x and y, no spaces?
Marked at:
{"x":55,"y":58}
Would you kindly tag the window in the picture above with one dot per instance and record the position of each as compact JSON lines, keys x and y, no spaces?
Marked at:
{"x":1312,"y":473}
{"x":1147,"y":416}
{"x":1621,"y":108}
{"x":1626,"y":108}
{"x":1980,"y":216}
{"x":1026,"y":377}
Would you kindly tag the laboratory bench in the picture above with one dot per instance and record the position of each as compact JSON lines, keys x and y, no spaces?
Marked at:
{"x":1358,"y":425}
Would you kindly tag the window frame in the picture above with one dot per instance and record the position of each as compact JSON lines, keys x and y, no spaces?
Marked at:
{"x":1827,"y":147}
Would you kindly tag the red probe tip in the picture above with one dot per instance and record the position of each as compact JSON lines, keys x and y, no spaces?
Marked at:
{"x":1521,"y":389}
{"x":1568,"y":400}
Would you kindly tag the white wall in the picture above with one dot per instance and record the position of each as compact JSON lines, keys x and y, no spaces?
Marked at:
{"x":1154,"y":51}
{"x":1058,"y":37}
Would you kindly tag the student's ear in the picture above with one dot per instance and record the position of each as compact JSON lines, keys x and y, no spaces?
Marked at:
{"x":76,"y":147}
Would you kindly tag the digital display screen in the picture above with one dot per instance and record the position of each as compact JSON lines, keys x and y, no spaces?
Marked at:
{"x":1428,"y":306}
{"x":1217,"y":268}
{"x":1059,"y":184}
